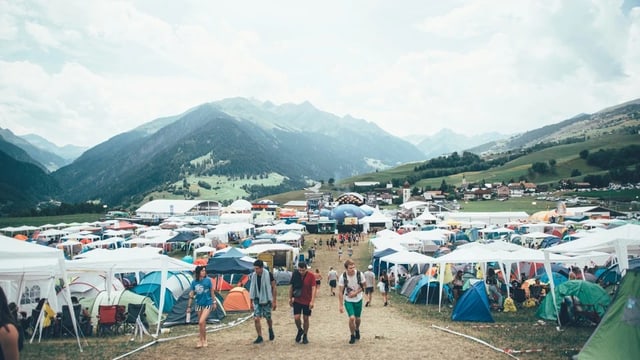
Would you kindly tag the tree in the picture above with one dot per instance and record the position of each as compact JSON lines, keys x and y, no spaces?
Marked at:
{"x":575,"y":172}
{"x":540,"y":167}
{"x":584,"y":154}
{"x":331,"y":181}
{"x":443,"y":186}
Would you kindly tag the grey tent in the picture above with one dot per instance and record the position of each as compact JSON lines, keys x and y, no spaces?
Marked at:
{"x":178,"y":314}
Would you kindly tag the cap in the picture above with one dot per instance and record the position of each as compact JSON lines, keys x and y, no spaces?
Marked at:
{"x":370,"y":267}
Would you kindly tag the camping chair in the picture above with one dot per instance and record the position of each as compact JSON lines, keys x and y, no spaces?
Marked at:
{"x":33,"y":324}
{"x":585,"y":314}
{"x":136,"y":319}
{"x":519,"y":296}
{"x":535,"y":291}
{"x":66,"y":324}
{"x":108,"y":321}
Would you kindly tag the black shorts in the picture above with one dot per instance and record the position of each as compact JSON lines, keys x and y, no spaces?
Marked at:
{"x":368,"y":290}
{"x":301,"y":309}
{"x":318,"y":282}
{"x":332,"y":283}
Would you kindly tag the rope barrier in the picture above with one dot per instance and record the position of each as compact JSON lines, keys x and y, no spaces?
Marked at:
{"x":504,"y":326}
{"x":476,"y":340}
{"x":209,"y":330}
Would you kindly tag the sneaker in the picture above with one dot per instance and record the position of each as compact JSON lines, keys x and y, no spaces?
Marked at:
{"x":271,"y":334}
{"x":305,"y":340}
{"x":385,"y":304}
{"x":367,"y":304}
{"x":357,"y":335}
{"x":352,"y":340}
{"x":299,"y":335}
{"x":258,"y":340}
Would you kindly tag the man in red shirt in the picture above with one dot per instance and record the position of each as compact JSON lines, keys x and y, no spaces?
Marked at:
{"x":302,"y":294}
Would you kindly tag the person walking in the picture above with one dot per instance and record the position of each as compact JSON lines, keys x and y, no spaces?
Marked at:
{"x":204,"y":294}
{"x":340,"y":253}
{"x":370,"y":279}
{"x":457,"y":284}
{"x":9,"y":334}
{"x":302,"y":294}
{"x":350,"y":251}
{"x":351,"y":285}
{"x":332,"y":278}
{"x":384,"y":287}
{"x":318,"y":277}
{"x":263,"y":293}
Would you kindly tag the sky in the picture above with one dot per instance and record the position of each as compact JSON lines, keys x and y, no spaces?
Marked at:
{"x":79,"y":72}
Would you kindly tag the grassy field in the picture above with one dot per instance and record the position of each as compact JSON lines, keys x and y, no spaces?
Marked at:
{"x":42,"y":220}
{"x":222,"y":187}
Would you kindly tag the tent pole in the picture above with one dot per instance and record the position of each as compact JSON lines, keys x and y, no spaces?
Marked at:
{"x":163,"y":288}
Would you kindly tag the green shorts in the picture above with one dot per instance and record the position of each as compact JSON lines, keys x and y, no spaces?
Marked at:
{"x":353,"y":308}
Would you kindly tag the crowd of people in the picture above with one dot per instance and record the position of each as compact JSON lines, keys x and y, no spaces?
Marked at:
{"x":520,"y":289}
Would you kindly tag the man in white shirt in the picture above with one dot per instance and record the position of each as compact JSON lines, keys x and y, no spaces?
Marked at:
{"x":351,"y":285}
{"x":332,"y":277}
{"x":370,"y":279}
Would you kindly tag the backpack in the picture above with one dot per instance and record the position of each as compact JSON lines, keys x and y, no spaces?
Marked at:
{"x":346,"y":282}
{"x":296,"y":282}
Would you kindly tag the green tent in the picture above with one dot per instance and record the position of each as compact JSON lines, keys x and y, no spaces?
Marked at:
{"x":618,"y":334}
{"x":120,"y":297}
{"x":588,"y":293}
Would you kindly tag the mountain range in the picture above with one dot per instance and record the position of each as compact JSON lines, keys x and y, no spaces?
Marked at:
{"x":446,"y":141}
{"x":241,"y":138}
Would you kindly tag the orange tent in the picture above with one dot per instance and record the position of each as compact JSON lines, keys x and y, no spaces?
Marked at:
{"x":237,"y":300}
{"x":220,"y":284}
{"x":200,"y":262}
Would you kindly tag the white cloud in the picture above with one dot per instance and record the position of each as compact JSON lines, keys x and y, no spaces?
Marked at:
{"x":86,"y":71}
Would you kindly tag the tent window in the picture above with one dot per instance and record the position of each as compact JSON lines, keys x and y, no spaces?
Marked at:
{"x":30,"y":295}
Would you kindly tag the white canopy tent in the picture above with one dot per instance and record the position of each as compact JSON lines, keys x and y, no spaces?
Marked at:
{"x":375,"y":218}
{"x":123,"y":260}
{"x":501,"y":252}
{"x":386,"y":243}
{"x":203,"y":249}
{"x":622,"y":241}
{"x":408,"y":257}
{"x":426,"y":217}
{"x":291,"y":237}
{"x":283,"y":227}
{"x":22,"y":261}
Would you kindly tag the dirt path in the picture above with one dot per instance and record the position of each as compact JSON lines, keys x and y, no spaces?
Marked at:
{"x":386,"y":333}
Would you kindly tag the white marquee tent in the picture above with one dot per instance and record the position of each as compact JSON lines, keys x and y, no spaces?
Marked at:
{"x":124,"y":260}
{"x":22,"y":262}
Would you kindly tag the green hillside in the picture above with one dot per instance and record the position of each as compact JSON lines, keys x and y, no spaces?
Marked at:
{"x":566,"y":156}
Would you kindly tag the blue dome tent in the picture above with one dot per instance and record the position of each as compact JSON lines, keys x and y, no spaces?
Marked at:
{"x":177,"y":283}
{"x":340,"y":212}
